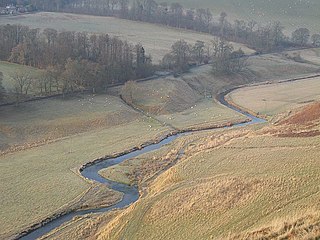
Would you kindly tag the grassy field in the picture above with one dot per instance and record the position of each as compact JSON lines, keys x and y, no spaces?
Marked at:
{"x":44,"y":174}
{"x":47,"y":120}
{"x":156,"y":39}
{"x":229,"y":182}
{"x":189,"y":100}
{"x":229,"y":185}
{"x":277,"y":98}
{"x":310,"y":56}
{"x":43,"y":142}
{"x":291,"y":13}
{"x":9,"y":69}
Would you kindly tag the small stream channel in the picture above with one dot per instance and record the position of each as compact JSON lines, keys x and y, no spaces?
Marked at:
{"x":130,"y":193}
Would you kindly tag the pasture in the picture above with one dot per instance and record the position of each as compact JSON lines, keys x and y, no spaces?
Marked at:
{"x":291,"y":13}
{"x":49,"y":141}
{"x":277,"y":98}
{"x":156,"y":39}
{"x":228,"y":183}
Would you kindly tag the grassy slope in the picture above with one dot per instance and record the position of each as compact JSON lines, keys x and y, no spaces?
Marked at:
{"x":46,"y":120}
{"x":278,"y":98}
{"x":214,"y":186}
{"x":156,"y":39}
{"x":95,"y":139}
{"x":180,"y":102}
{"x":291,"y":13}
{"x":236,"y":186}
{"x":43,"y":174}
{"x":9,"y":69}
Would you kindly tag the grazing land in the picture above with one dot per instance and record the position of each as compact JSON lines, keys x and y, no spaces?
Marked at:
{"x":277,"y":98}
{"x":156,"y":39}
{"x":229,"y":184}
{"x":308,"y":56}
{"x":189,"y":100}
{"x":79,"y":131}
{"x":46,"y":141}
{"x":253,"y":181}
{"x":291,"y":13}
{"x":242,"y":181}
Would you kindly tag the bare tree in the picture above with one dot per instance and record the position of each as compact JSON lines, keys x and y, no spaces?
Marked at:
{"x":22,"y":82}
{"x":301,"y":36}
{"x":128,"y":92}
{"x":315,"y":38}
{"x":2,"y":89}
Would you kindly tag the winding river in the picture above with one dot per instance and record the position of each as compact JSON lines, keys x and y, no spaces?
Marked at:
{"x":130,"y":193}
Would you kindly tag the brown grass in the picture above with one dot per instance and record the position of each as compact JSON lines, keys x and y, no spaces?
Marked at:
{"x":306,"y":116}
{"x":229,"y":182}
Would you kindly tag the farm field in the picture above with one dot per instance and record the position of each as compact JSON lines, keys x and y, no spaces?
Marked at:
{"x":156,"y":39}
{"x":291,"y":13}
{"x":277,"y":98}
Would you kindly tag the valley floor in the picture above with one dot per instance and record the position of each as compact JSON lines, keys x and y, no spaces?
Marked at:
{"x":225,"y":179}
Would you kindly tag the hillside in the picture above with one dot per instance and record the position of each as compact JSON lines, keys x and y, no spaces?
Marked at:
{"x":156,"y":39}
{"x":291,"y":13}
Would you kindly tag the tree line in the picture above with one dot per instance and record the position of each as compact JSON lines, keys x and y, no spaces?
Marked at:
{"x":223,"y":57}
{"x":74,"y":60}
{"x":263,"y":38}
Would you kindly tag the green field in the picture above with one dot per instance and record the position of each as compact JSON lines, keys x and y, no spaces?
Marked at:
{"x":9,"y":69}
{"x":156,"y":39}
{"x":291,"y":13}
{"x":48,"y":140}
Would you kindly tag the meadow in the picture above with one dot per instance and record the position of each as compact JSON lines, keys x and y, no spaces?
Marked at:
{"x":230,"y":184}
{"x":79,"y":132}
{"x":277,"y":98}
{"x":156,"y":39}
{"x":46,"y":141}
{"x":291,"y":13}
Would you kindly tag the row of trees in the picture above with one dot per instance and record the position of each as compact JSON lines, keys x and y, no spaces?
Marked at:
{"x":183,"y":55}
{"x":225,"y":60}
{"x":113,"y":60}
{"x":264,"y":38}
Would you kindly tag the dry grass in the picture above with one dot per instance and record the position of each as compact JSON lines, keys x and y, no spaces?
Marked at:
{"x":231,"y":182}
{"x":156,"y":39}
{"x":38,"y":122}
{"x":277,"y":98}
{"x":80,"y":130}
{"x":311,"y":55}
{"x":291,"y":13}
{"x":86,"y":129}
{"x":302,"y":227}
{"x":240,"y":185}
